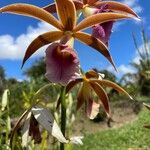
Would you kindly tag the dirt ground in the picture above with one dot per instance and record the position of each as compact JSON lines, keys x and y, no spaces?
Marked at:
{"x":122,"y":112}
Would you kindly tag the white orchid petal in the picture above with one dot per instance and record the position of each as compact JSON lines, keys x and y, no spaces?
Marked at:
{"x":46,"y":119}
{"x":76,"y":140}
{"x":25,"y":131}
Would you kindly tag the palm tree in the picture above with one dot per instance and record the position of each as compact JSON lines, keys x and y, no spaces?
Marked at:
{"x":142,"y":75}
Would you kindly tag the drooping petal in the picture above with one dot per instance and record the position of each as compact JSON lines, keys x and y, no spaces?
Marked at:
{"x":147,"y":126}
{"x":34,"y":130}
{"x":92,"y":108}
{"x":46,"y":119}
{"x":32,"y":11}
{"x":116,"y":6}
{"x":66,"y":13}
{"x":102,"y":95}
{"x":17,"y":125}
{"x":73,"y":83}
{"x":100,"y":18}
{"x":96,"y":44}
{"x":62,"y":64}
{"x":147,"y":106}
{"x":84,"y":94}
{"x":112,"y":85}
{"x":40,"y":41}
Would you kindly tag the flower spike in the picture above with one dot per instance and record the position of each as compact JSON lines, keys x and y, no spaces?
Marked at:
{"x":32,"y":11}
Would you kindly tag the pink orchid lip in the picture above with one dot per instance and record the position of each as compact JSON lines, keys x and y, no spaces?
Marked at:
{"x":104,"y":30}
{"x":62,"y":63}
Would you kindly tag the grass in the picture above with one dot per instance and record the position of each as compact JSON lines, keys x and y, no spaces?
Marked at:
{"x":129,"y":136}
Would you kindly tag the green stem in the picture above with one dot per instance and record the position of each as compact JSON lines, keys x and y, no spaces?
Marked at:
{"x":63,"y":114}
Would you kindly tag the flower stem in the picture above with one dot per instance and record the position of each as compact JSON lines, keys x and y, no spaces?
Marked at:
{"x":63,"y":114}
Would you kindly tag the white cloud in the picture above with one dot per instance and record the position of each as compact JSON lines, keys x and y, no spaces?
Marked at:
{"x":135,"y":6}
{"x":14,"y":48}
{"x":124,"y":69}
{"x":121,"y":70}
{"x":141,"y":49}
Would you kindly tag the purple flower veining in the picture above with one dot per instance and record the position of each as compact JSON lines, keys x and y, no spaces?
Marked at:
{"x":62,"y":63}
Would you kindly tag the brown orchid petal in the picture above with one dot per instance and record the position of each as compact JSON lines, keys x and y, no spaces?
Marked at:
{"x":85,"y":2}
{"x":102,"y":95}
{"x":147,"y":126}
{"x":90,"y":2}
{"x":84,"y":94}
{"x":112,"y":85}
{"x":34,"y":130}
{"x":80,"y":99}
{"x":67,"y":13}
{"x":32,"y":11}
{"x":78,"y":4}
{"x":98,"y":19}
{"x":116,"y":6}
{"x":73,"y":83}
{"x":96,"y":44}
{"x":40,"y":41}
{"x":147,"y":106}
{"x":92,"y":74}
{"x":50,"y":8}
{"x":92,"y":108}
{"x":17,"y":125}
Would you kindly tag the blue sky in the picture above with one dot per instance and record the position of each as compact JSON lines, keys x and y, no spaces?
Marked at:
{"x":16,"y":32}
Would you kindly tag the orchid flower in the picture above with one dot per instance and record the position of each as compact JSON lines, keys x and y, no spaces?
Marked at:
{"x":90,"y":7}
{"x":67,"y":24}
{"x":92,"y":81}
